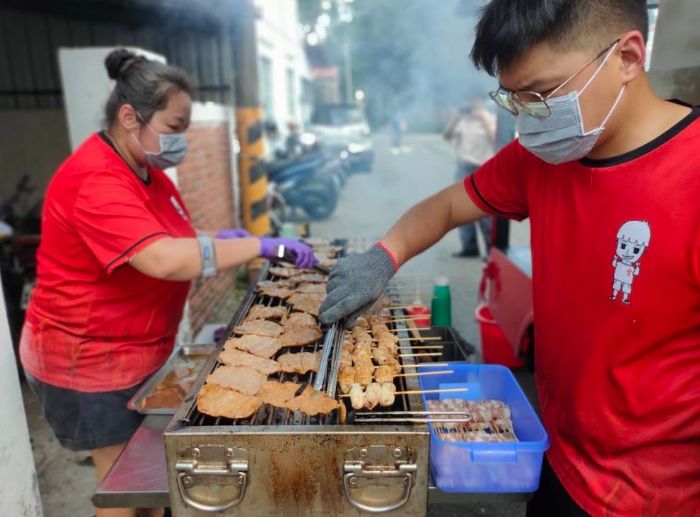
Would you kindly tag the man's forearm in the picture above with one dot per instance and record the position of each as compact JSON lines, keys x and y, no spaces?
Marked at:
{"x":419,"y":228}
{"x":428,"y":221}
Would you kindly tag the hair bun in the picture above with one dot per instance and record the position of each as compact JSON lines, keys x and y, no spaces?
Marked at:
{"x":116,"y":60}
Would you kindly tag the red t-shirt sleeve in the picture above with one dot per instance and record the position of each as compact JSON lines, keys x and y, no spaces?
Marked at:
{"x":499,"y":186}
{"x":112,"y":218}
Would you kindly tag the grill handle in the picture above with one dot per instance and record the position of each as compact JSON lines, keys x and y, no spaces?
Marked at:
{"x":191,"y":471}
{"x":405,"y":473}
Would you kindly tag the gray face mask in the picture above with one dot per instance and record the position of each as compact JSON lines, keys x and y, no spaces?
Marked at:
{"x":173,"y":148}
{"x":561,"y":137}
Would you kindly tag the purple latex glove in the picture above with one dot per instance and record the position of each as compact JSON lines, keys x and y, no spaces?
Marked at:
{"x":305,"y":257}
{"x":232,"y":233}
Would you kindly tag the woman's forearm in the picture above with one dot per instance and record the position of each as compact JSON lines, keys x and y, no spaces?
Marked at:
{"x":180,"y":259}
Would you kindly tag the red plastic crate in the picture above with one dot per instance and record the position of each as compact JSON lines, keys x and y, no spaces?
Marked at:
{"x":495,"y":347}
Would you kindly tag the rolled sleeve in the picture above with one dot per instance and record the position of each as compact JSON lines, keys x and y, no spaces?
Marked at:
{"x":499,"y":186}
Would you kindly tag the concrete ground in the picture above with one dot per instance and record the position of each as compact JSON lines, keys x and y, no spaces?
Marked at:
{"x":369,"y":205}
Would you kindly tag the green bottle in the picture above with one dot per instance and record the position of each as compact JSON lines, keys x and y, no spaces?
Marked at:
{"x":441,"y":306}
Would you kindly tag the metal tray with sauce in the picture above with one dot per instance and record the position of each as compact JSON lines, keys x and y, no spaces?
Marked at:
{"x":165,"y":390}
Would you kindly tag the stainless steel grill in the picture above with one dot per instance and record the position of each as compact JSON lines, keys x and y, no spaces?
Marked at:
{"x":282,"y":462}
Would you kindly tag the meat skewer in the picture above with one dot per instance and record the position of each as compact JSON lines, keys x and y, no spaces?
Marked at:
{"x":420,"y":392}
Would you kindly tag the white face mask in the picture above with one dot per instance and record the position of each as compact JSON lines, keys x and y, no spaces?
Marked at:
{"x":561,"y":137}
{"x":173,"y":148}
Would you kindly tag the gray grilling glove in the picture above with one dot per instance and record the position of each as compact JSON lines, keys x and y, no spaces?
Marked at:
{"x":355,"y":284}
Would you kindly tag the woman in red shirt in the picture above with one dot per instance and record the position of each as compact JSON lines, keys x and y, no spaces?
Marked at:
{"x":115,"y":263}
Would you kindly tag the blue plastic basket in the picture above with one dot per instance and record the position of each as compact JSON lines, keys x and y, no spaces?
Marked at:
{"x":487,"y":467}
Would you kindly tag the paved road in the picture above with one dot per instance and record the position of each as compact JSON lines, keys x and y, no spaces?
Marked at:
{"x":371,"y":203}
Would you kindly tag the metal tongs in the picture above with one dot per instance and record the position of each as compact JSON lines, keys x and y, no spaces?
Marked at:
{"x":287,"y":255}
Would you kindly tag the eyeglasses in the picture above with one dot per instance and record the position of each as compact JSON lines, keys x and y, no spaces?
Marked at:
{"x":534,"y":103}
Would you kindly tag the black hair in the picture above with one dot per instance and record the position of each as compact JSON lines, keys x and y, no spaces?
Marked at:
{"x":509,"y":28}
{"x":143,"y":83}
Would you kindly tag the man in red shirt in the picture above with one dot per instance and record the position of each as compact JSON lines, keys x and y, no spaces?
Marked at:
{"x":607,"y":173}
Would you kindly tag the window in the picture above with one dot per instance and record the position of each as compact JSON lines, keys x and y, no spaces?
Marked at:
{"x":266,"y":88}
{"x":653,"y":14}
{"x":291,"y":94}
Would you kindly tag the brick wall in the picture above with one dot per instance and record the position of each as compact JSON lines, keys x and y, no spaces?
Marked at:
{"x":204,"y":180}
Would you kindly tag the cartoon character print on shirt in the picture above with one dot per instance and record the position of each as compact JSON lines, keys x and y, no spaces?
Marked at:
{"x":632,"y":241}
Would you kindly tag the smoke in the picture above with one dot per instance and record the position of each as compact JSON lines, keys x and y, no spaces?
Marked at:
{"x":420,"y":67}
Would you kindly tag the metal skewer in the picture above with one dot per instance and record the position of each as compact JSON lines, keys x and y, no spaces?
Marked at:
{"x":423,"y":374}
{"x":420,"y":392}
{"x":426,"y":347}
{"x":397,"y":420}
{"x":422,"y":413}
{"x":422,"y":354}
{"x":419,"y":338}
{"x":425,"y":365}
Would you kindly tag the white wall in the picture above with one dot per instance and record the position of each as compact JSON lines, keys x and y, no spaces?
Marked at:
{"x":86,"y":88}
{"x":19,"y":488}
{"x":280,"y":41}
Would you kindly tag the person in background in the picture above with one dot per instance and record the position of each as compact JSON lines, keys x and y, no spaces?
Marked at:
{"x":293,"y":141}
{"x":472,"y":133}
{"x":274,"y":143}
{"x":117,"y":255}
{"x":603,"y":168}
{"x":396,"y":129}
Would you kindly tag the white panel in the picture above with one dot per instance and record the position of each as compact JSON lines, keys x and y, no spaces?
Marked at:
{"x":19,"y":488}
{"x":86,"y":88}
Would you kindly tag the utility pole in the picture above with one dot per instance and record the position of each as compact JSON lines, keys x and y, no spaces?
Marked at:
{"x":249,"y":126}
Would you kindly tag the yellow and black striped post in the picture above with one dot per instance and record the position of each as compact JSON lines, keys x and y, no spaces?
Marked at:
{"x":253,"y":177}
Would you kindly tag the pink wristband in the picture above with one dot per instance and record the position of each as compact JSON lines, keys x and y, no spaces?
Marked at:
{"x":390,"y":253}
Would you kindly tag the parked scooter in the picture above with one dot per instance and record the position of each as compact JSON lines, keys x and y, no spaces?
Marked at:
{"x":302,"y":179}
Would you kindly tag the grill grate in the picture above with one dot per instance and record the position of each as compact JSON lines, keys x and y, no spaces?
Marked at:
{"x":272,"y":416}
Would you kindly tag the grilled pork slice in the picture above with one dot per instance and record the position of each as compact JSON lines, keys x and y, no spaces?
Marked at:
{"x":309,"y":303}
{"x":279,"y":282}
{"x":300,"y":362}
{"x":312,"y":402}
{"x":276,"y":292}
{"x":243,"y":379}
{"x":311,"y":278}
{"x":311,"y":289}
{"x":261,"y":312}
{"x":284,"y":272}
{"x":300,"y":336}
{"x":235,"y":357}
{"x":257,"y":345}
{"x":215,"y":400}
{"x":300,"y":319}
{"x":259,"y":328}
{"x":277,"y":393}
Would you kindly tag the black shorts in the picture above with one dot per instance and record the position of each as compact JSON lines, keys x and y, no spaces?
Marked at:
{"x":86,"y":421}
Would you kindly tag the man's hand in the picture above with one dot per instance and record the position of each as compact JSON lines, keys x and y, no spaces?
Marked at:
{"x":355,"y":283}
